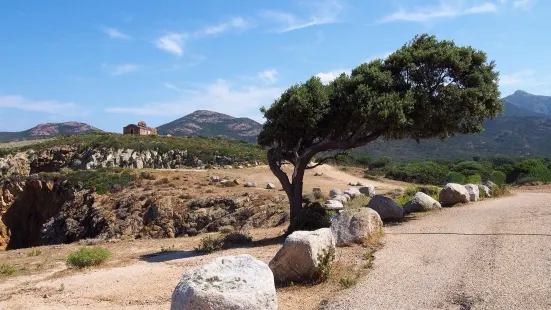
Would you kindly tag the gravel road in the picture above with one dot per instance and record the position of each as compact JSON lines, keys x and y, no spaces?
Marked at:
{"x":495,"y":254}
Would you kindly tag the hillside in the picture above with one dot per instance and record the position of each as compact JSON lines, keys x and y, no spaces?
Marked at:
{"x":534,"y":103}
{"x":212,"y":124}
{"x":47,"y":130}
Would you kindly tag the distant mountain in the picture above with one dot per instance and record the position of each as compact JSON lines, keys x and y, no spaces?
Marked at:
{"x":534,"y":103}
{"x":47,"y":130}
{"x":212,"y":124}
{"x":512,"y":109}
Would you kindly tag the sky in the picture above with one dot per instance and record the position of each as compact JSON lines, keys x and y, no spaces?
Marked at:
{"x":111,"y":63}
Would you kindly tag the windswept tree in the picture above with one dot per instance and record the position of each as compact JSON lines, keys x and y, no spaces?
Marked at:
{"x":426,"y":89}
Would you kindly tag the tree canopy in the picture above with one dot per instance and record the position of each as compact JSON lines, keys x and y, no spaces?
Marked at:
{"x":428,"y":88}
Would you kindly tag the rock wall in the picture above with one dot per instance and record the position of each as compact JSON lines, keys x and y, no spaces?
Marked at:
{"x":36,"y":212}
{"x":54,"y":159}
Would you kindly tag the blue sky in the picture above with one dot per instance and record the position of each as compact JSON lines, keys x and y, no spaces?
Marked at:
{"x":110,"y":63}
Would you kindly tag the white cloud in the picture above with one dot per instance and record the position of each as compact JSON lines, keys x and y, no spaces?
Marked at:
{"x":124,"y":69}
{"x":42,"y":106}
{"x":319,"y":13}
{"x":234,"y":23}
{"x":269,"y":76}
{"x":523,"y":4}
{"x":445,"y":9}
{"x":524,"y":78}
{"x":221,"y":96}
{"x":115,"y":33}
{"x":171,"y":43}
{"x":327,"y":77}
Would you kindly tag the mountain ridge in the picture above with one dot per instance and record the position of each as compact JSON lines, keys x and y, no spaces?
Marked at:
{"x":44,"y":130}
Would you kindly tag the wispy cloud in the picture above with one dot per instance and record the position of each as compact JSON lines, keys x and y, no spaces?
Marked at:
{"x":269,"y":76}
{"x":523,"y":4}
{"x":234,"y":23}
{"x":173,"y":42}
{"x":42,"y":106}
{"x":124,"y":69}
{"x":115,"y":33}
{"x":445,"y":9}
{"x":225,"y":96}
{"x":319,"y":13}
{"x":528,"y":80}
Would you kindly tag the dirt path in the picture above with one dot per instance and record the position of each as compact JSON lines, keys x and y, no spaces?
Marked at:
{"x":495,"y":254}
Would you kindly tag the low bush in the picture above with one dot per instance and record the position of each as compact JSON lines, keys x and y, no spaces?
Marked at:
{"x":348,"y":282}
{"x":7,"y":270}
{"x":34,"y":252}
{"x":473,"y":179}
{"x":161,"y":181}
{"x":312,"y":217}
{"x":358,"y":202}
{"x":88,"y":256}
{"x":482,"y":192}
{"x":325,"y":263}
{"x":102,"y":180}
{"x":212,"y":243}
{"x":209,"y":244}
{"x":147,"y":175}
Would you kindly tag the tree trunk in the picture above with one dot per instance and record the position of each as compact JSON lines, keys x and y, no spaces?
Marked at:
{"x":292,"y":189}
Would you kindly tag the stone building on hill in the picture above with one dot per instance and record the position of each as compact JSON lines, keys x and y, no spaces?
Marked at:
{"x":140,"y":129}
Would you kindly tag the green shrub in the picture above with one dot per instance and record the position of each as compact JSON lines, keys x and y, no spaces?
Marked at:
{"x":343,"y":169}
{"x":88,"y":256}
{"x":311,"y":218}
{"x":498,"y":177}
{"x":483,"y":193}
{"x":100,"y":179}
{"x":209,"y":244}
{"x":161,"y":181}
{"x":236,"y":238}
{"x":348,"y":282}
{"x":427,"y":172}
{"x":34,"y":252}
{"x":432,"y":191}
{"x":147,"y":175}
{"x":456,"y":177}
{"x":474,"y":179}
{"x":325,"y":263}
{"x":7,"y":270}
{"x":358,"y":202}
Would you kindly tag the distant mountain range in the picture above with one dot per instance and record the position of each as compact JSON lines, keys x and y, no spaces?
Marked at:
{"x":212,"y":124}
{"x":523,"y":130}
{"x":47,"y":130}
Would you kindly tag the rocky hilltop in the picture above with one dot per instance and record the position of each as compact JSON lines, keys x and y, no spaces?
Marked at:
{"x":47,"y":130}
{"x":212,"y":124}
{"x":534,"y":103}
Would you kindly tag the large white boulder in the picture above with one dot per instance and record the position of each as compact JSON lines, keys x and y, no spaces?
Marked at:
{"x":421,"y":202}
{"x":386,"y":207}
{"x":486,"y":189}
{"x":353,"y":192}
{"x":474,"y":193}
{"x":299,"y":257}
{"x":230,"y":282}
{"x":453,"y":193}
{"x":368,"y":190}
{"x":356,"y":226}
{"x":332,"y":204}
{"x":335,"y":192}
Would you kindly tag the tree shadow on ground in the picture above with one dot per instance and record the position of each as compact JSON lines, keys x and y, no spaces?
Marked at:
{"x":407,"y":218}
{"x":161,"y":257}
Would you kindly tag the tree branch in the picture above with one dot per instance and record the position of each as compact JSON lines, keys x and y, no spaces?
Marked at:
{"x":324,"y":160}
{"x":274,"y":161}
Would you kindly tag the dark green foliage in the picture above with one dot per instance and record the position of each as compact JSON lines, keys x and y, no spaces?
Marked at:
{"x":324,"y":266}
{"x":88,"y":256}
{"x":310,"y":218}
{"x":474,"y":179}
{"x":422,"y":173}
{"x":498,"y":177}
{"x":456,"y":177}
{"x":101,"y":179}
{"x":212,"y":243}
{"x":146,"y":175}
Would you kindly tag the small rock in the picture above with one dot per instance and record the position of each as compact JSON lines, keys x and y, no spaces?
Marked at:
{"x":270,"y":186}
{"x":215,"y":178}
{"x":318,"y":174}
{"x":342,"y":198}
{"x":236,"y":182}
{"x":333,"y":205}
{"x":367,"y":190}
{"x":335,"y":192}
{"x":353,"y":192}
{"x":250,"y":184}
